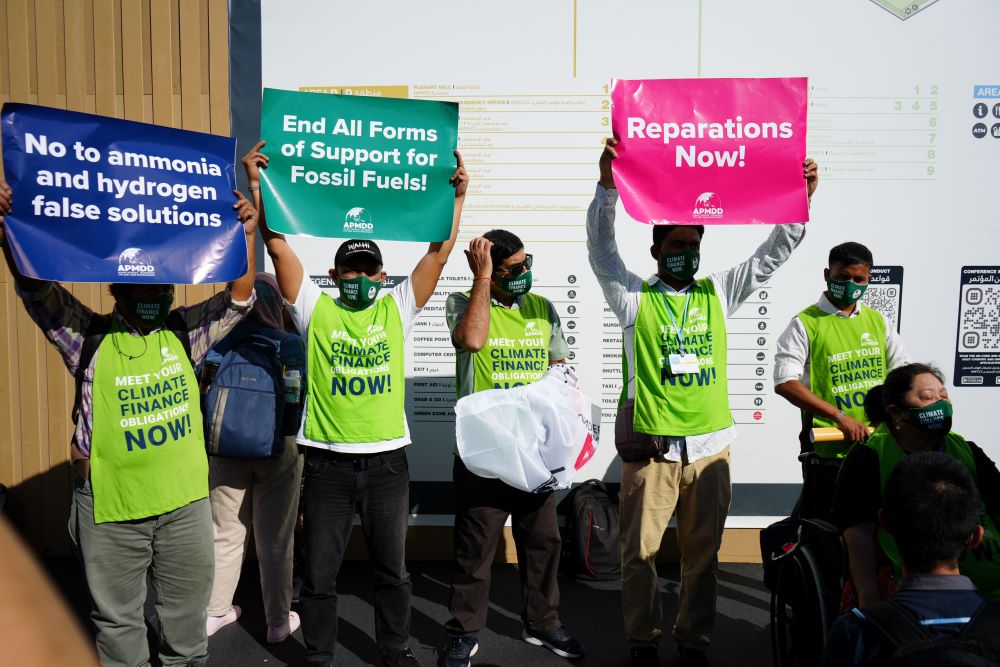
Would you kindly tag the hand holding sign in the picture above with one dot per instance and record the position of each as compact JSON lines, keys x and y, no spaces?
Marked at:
{"x":4,"y":203}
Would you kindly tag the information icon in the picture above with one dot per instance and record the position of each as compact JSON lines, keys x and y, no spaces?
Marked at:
{"x":980,"y":110}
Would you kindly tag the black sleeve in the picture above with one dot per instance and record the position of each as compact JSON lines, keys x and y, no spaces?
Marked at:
{"x":858,"y":495}
{"x":988,"y":481}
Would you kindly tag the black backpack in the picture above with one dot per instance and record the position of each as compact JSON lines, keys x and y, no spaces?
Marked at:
{"x":591,"y":549}
{"x":916,"y":646}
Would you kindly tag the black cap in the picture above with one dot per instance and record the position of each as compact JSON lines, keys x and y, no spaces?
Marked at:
{"x":350,"y":249}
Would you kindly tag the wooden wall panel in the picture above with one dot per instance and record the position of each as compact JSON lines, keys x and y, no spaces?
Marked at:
{"x":159,"y":61}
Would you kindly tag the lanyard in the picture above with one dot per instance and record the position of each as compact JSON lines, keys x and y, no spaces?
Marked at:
{"x":679,"y":330}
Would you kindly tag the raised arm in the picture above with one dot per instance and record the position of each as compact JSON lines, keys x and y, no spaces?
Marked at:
{"x":287,"y":266}
{"x":621,"y":288}
{"x":426,"y":273}
{"x":247,"y":214}
{"x":473,"y":329}
{"x":24,"y":282}
{"x":61,"y":316}
{"x":739,"y":282}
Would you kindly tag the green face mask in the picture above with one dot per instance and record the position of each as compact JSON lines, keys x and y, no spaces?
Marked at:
{"x":934,"y":418}
{"x":845,"y":292}
{"x":681,"y":265}
{"x":150,"y":312}
{"x":516,"y":285}
{"x":358,"y":292}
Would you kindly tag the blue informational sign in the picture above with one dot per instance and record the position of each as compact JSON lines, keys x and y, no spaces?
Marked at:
{"x":98,"y":199}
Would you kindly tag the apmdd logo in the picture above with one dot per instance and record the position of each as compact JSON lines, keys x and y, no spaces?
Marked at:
{"x":708,"y":205}
{"x":135,"y":262}
{"x":359,"y":220}
{"x":167,"y":356}
{"x":868,"y":340}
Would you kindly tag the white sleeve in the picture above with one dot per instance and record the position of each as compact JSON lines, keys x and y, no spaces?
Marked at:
{"x":737,"y":284}
{"x":895,"y":351}
{"x":302,"y":310}
{"x":621,"y":287}
{"x":792,"y":353}
{"x":406,"y":301}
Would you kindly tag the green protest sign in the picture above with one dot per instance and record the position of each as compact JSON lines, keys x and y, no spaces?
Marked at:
{"x":351,"y":166}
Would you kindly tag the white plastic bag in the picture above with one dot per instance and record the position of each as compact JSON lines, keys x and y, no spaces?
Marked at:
{"x":535,"y":437}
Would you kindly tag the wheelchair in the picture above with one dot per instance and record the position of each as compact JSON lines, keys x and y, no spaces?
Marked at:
{"x":805,"y":567}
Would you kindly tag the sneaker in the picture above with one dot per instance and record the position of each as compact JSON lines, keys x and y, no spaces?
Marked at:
{"x":644,"y":656}
{"x":558,"y":641}
{"x":692,"y":657}
{"x":216,"y":623}
{"x":402,"y":658}
{"x":458,"y":651}
{"x":276,"y":635}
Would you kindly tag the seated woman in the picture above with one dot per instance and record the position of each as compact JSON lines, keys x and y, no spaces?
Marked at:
{"x":914,"y":416}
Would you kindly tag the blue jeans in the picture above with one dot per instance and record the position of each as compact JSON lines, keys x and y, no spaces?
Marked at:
{"x":338,"y":486}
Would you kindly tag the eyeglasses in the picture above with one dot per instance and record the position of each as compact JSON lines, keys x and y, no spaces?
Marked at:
{"x":517,"y":269}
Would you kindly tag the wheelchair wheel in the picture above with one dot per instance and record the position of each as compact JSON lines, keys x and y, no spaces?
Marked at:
{"x":798,"y":612}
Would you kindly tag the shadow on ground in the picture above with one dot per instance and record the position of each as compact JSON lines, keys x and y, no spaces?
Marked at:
{"x":590,"y":611}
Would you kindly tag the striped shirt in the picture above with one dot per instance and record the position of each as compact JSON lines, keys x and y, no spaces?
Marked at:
{"x":64,"y":321}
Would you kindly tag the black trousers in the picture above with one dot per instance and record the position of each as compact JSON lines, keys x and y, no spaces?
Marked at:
{"x":481,"y":509}
{"x":337,"y":486}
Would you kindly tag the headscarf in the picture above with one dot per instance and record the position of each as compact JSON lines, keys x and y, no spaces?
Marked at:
{"x":268,"y":307}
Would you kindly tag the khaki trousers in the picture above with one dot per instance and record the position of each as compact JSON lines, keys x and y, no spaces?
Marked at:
{"x":653,"y":491}
{"x":263,"y":493}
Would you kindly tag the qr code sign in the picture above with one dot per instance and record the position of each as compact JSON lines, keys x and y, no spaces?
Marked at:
{"x":885,"y":299}
{"x":979,"y":321}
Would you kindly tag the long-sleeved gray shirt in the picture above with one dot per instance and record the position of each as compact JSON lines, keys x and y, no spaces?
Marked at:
{"x":622,"y":291}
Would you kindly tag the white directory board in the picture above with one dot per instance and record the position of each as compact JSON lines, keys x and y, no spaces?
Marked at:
{"x":904,"y":119}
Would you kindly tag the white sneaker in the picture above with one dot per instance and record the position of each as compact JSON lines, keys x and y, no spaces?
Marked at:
{"x":216,"y":623}
{"x":281,"y":633}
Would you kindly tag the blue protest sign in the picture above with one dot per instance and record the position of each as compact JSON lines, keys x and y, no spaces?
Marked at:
{"x":98,"y":199}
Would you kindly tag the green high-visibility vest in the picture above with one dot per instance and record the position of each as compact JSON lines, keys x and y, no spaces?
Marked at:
{"x":147,"y":455}
{"x":356,"y":385}
{"x":982,"y":564}
{"x":690,"y":403}
{"x":517,"y":346}
{"x":847,"y":357}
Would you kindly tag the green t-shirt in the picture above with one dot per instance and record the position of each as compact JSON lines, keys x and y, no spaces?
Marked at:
{"x":847,"y":357}
{"x":982,"y":564}
{"x":688,"y":403}
{"x":356,"y":381}
{"x":148,"y":450}
{"x":522,"y":340}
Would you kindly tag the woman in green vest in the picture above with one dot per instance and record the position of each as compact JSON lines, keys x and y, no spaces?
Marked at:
{"x":915,"y":416}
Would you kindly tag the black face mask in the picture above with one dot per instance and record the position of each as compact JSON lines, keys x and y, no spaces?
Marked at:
{"x":150,"y":312}
{"x":934,"y":418}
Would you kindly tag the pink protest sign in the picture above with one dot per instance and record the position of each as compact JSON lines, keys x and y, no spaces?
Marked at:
{"x":711,"y":151}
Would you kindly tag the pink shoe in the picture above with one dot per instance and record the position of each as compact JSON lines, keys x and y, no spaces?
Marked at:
{"x":281,"y":633}
{"x":216,"y":623}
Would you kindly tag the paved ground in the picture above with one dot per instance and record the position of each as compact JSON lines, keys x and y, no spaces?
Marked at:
{"x":592,"y":612}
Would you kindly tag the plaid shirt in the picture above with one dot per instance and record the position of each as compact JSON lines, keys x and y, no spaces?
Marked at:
{"x":64,"y":320}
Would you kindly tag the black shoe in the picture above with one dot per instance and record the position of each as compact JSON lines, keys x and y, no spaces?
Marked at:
{"x":458,"y":651}
{"x":558,"y":641}
{"x":691,"y":657}
{"x":644,"y":656}
{"x":402,"y":658}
